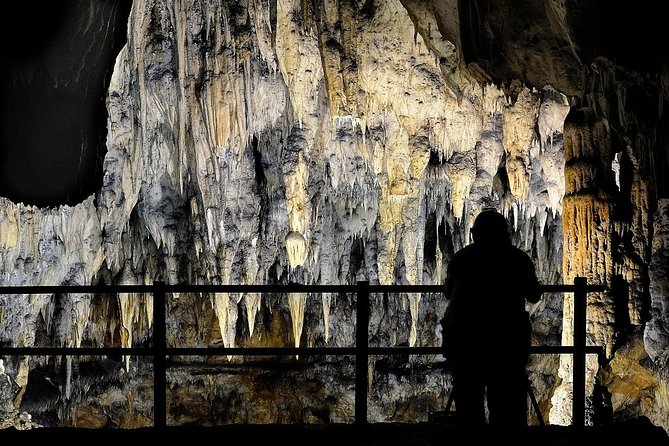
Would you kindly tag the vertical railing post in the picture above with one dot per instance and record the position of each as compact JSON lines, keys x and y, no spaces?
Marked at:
{"x":361,"y":356}
{"x":578,"y":363}
{"x":159,"y":357}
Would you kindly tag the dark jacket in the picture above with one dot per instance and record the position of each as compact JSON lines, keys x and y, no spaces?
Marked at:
{"x":487,"y":286}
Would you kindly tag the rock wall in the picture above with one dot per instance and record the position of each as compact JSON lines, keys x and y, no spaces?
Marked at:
{"x":310,"y":142}
{"x":610,"y":229}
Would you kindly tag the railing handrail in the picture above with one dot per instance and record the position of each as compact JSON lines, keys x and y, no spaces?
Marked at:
{"x":265,"y":351}
{"x":278,"y":288}
{"x":362,"y":350}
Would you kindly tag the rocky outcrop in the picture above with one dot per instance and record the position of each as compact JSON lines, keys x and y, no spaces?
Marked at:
{"x":656,"y":333}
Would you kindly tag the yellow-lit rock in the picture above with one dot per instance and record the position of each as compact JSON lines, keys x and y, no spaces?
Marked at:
{"x":634,"y":386}
{"x":296,"y":246}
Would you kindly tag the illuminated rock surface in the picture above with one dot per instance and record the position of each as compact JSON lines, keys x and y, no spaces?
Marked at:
{"x":333,"y":142}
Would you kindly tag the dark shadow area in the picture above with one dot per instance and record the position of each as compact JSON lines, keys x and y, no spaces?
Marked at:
{"x":390,"y":434}
{"x":56,"y":68}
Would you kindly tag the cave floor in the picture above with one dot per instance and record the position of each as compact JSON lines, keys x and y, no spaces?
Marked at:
{"x":377,"y":434}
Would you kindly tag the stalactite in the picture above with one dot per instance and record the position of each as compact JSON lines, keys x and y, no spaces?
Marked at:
{"x":414,"y":303}
{"x":296,"y":304}
{"x":252,"y":302}
{"x":128,"y":304}
{"x":296,"y":247}
{"x":461,"y":173}
{"x":225,"y":307}
{"x":79,"y":316}
{"x":326,"y":299}
{"x":519,"y":122}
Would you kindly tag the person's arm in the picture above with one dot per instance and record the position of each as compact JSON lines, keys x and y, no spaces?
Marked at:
{"x":532,"y":291}
{"x":448,"y":288}
{"x":449,"y":282}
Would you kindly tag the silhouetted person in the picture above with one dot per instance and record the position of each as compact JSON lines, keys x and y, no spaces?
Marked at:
{"x":487,"y":329}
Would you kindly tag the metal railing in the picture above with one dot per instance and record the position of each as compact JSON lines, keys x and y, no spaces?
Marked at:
{"x":159,"y":351}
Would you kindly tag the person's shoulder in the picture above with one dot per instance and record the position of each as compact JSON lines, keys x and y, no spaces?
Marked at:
{"x":521,"y":256}
{"x":465,"y":252}
{"x":460,"y":257}
{"x":519,"y":252}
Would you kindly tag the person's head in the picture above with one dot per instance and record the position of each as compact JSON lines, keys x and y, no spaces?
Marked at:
{"x":490,"y":228}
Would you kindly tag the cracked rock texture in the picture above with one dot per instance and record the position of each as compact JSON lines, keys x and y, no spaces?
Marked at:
{"x":329,"y":142}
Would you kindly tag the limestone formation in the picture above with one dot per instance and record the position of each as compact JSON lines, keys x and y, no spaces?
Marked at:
{"x":328,"y":142}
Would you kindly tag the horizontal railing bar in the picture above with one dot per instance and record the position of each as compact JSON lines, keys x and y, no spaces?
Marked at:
{"x":76,"y":351}
{"x":76,"y":289}
{"x":286,"y":288}
{"x":257,"y":351}
{"x":261,"y":351}
{"x":110,"y":289}
{"x":564,"y":349}
{"x":567,"y":288}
